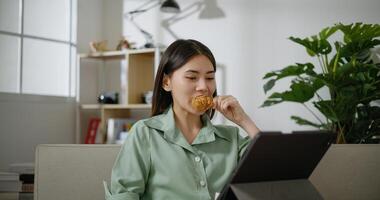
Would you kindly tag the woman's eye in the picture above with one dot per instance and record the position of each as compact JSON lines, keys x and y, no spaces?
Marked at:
{"x":191,"y":78}
{"x":210,"y":78}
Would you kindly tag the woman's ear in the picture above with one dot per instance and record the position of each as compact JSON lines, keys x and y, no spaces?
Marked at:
{"x":166,"y":85}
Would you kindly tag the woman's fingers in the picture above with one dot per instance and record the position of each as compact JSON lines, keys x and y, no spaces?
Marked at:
{"x":222,"y":103}
{"x":228,"y":102}
{"x":218,"y":102}
{"x":230,"y":107}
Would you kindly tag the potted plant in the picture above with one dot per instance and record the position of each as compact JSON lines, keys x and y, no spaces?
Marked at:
{"x":348,"y":72}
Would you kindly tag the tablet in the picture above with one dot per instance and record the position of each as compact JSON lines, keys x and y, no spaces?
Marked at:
{"x":276,"y":156}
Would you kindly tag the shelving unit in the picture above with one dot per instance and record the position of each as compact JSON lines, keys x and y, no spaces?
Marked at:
{"x":139,"y":71}
{"x":115,"y":106}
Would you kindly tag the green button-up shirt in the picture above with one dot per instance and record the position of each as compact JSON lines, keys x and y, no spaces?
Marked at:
{"x":156,"y":161}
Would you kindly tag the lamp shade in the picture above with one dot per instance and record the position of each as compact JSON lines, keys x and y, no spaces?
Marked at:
{"x":211,"y":10}
{"x":170,"y":6}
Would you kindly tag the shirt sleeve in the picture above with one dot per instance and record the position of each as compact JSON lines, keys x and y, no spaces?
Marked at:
{"x":243,"y":143}
{"x":131,"y":169}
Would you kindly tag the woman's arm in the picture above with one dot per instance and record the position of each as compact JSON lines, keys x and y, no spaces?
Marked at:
{"x":250,"y":127}
{"x":230,"y":107}
{"x":131,"y":168}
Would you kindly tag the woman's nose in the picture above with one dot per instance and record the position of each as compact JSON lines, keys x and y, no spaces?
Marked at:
{"x":202,"y":85}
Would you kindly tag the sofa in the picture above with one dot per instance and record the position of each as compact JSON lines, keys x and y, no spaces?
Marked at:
{"x":76,"y":172}
{"x":72,"y":171}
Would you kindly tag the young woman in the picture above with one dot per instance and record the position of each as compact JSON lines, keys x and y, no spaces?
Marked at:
{"x":178,"y":153}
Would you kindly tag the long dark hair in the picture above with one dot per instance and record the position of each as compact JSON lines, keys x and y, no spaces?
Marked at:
{"x":175,"y":56}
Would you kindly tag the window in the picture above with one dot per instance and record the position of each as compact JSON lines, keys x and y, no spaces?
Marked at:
{"x":38,"y":47}
{"x":9,"y":63}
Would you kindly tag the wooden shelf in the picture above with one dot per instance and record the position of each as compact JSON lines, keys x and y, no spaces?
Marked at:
{"x":105,"y":55}
{"x":138,"y":72}
{"x":115,"y":106}
{"x":140,"y":51}
{"x":116,"y":54}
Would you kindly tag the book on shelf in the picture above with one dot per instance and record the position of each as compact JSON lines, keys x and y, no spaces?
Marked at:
{"x":9,"y":176}
{"x":24,"y":173}
{"x":27,"y":187}
{"x":118,"y":129}
{"x":99,"y":139}
{"x":27,"y":182}
{"x":92,"y":130}
{"x":22,"y":168}
{"x":9,"y":182}
{"x":124,"y":83}
{"x":9,"y":196}
{"x":27,"y":178}
{"x":16,"y":196}
{"x":26,"y":196}
{"x":10,"y":186}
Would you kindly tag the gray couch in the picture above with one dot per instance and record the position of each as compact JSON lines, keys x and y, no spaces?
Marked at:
{"x":76,"y":172}
{"x":72,"y":172}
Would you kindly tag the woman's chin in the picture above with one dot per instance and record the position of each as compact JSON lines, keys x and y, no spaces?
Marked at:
{"x":196,"y":112}
{"x":200,"y":112}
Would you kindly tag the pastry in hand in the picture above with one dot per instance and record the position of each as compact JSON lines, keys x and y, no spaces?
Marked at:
{"x":202,"y":103}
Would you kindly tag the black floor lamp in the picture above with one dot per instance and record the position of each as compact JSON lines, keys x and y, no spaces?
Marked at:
{"x":167,"y":6}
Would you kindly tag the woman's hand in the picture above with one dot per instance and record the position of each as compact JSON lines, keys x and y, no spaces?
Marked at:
{"x":230,"y":107}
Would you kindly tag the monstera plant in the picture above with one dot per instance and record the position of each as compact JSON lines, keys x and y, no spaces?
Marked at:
{"x":350,"y":74}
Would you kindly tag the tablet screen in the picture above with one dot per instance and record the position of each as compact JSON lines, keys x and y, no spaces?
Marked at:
{"x":275,"y":156}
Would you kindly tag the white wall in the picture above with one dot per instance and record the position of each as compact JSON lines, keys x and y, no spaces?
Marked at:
{"x":98,"y":20}
{"x":252,"y":40}
{"x":28,"y":118}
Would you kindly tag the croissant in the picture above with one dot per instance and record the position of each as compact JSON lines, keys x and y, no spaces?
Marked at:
{"x":202,"y":103}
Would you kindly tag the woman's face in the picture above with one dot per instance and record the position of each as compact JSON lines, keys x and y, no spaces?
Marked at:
{"x":195,"y":78}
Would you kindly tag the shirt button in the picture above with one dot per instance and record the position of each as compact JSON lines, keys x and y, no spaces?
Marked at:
{"x":197,"y":159}
{"x":202,"y":183}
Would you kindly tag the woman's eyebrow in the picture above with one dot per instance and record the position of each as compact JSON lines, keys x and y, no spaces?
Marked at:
{"x":194,"y":71}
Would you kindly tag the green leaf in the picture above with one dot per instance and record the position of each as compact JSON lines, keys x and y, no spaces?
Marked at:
{"x":327,"y":32}
{"x":275,"y":95}
{"x":270,"y":74}
{"x":270,"y":103}
{"x":344,"y":70}
{"x":310,"y":52}
{"x":317,"y":84}
{"x":359,"y":32}
{"x":366,"y":88}
{"x":302,"y":121}
{"x":269,"y":85}
{"x":314,"y":46}
{"x":292,"y":70}
{"x":352,"y":76}
{"x":326,"y":108}
{"x":306,"y":43}
{"x":324,"y":47}
{"x":300,"y":92}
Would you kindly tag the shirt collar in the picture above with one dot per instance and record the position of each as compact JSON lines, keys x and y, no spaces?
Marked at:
{"x":166,"y":123}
